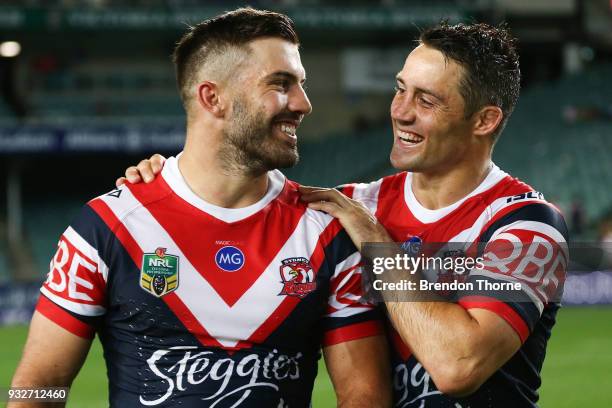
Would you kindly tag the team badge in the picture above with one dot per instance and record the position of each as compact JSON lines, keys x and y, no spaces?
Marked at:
{"x":297,"y":276}
{"x":159,"y":273}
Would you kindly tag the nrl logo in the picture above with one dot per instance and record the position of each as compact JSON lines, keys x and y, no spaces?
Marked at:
{"x":159,"y":272}
{"x":297,"y":276}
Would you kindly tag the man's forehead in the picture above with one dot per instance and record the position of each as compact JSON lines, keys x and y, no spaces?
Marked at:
{"x":427,"y":63}
{"x":272,"y":55}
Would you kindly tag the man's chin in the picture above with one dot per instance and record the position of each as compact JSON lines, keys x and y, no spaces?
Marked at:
{"x":285,"y":163}
{"x":402,"y":163}
{"x":280,"y":160}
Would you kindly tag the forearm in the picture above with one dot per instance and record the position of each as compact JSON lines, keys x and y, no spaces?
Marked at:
{"x":31,"y":379}
{"x":438,"y":333}
{"x":459,"y":348}
{"x":52,"y":357}
{"x":360,"y":372}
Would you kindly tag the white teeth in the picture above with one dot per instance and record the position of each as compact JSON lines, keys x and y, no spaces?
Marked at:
{"x":288,"y":129}
{"x":409,"y":137}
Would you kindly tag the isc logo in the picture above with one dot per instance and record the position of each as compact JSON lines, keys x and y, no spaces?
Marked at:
{"x":229,"y":258}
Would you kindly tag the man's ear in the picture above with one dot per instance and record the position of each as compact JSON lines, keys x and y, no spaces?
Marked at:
{"x":209,"y":98}
{"x":487,"y":120}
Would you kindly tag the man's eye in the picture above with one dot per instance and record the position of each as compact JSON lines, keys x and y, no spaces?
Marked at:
{"x":282,"y":84}
{"x":397,"y":89}
{"x":425,"y":102}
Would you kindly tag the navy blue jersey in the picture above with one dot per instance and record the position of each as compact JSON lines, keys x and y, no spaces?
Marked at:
{"x":521,"y":237}
{"x":201,"y":306}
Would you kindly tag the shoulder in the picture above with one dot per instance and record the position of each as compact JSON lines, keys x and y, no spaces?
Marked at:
{"x":118,"y":204}
{"x":512,"y":201}
{"x":372,"y":191}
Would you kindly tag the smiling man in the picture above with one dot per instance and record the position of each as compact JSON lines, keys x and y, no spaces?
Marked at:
{"x":453,"y":97}
{"x":215,"y":286}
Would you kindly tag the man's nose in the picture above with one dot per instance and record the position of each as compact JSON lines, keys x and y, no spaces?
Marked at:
{"x":299,"y":102}
{"x":403,"y":109}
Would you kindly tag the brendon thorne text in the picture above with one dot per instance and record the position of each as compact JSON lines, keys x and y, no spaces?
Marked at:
{"x":424,"y":285}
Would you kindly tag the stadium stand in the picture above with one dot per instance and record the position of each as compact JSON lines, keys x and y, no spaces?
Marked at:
{"x":44,"y":223}
{"x":565,"y":160}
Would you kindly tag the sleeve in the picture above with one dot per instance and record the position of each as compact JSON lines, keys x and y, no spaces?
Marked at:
{"x":74,"y":293}
{"x":524,"y":262}
{"x":348,"y":316}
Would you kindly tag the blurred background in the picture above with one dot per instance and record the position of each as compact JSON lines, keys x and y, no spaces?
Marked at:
{"x":87,"y":88}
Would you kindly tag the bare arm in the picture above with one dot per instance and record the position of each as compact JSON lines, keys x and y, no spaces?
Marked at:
{"x":52,"y":356}
{"x":459,"y":348}
{"x":360,"y":372}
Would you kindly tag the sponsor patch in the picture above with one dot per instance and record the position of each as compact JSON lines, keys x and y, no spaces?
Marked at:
{"x":229,"y":258}
{"x":159,"y":272}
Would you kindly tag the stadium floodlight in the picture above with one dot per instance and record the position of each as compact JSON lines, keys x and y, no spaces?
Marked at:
{"x":9,"y":49}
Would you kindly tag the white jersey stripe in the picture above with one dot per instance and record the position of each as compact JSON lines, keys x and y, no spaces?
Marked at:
{"x":78,"y":308}
{"x":348,"y":263}
{"x":92,"y":253}
{"x":471,"y":233}
{"x":367,"y":194}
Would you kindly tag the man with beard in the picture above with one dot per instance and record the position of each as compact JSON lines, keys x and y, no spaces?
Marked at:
{"x":453,"y":98}
{"x":215,"y":285}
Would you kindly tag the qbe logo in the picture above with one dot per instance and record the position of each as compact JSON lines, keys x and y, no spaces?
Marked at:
{"x":229,"y":258}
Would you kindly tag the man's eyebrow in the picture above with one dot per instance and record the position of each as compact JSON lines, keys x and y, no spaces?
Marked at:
{"x":421,"y":90}
{"x":283,"y":75}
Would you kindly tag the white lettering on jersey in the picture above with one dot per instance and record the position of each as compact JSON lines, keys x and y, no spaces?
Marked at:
{"x":57,"y":265}
{"x":197,"y":368}
{"x":419,"y":380}
{"x":70,"y":278}
{"x":75,"y":281}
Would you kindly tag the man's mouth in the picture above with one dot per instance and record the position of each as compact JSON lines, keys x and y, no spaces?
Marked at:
{"x":288,"y":129}
{"x":408,"y":138}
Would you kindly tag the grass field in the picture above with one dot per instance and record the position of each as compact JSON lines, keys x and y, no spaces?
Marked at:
{"x":577,"y":371}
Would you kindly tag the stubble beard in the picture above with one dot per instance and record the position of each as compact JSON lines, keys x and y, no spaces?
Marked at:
{"x":249,"y":145}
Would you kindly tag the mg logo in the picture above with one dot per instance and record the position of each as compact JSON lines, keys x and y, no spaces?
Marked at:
{"x":229,"y":258}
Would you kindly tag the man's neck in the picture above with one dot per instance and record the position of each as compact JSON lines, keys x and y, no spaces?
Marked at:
{"x":439,"y":190}
{"x":208,"y":179}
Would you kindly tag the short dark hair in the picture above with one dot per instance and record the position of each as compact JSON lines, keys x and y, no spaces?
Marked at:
{"x":216,"y":35}
{"x":490,"y":61}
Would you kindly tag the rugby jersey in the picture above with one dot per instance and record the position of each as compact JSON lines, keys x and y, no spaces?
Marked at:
{"x":521,"y":237}
{"x":202,"y":306}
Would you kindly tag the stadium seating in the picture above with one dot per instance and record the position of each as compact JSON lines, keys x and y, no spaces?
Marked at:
{"x":564,"y":160}
{"x":44,"y":222}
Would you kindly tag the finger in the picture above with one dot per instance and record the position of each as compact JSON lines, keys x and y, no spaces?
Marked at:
{"x":120,"y":181}
{"x":330,"y":208}
{"x":145,"y":170}
{"x":157,"y":162}
{"x":324,"y":195}
{"x":133,"y":175}
{"x":310,"y":189}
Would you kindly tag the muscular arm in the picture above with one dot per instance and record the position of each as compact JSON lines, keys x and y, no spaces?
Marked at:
{"x":459,"y":348}
{"x":360,"y":372}
{"x":52,"y":356}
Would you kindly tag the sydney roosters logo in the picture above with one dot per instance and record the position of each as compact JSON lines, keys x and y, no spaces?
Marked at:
{"x":297,"y":276}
